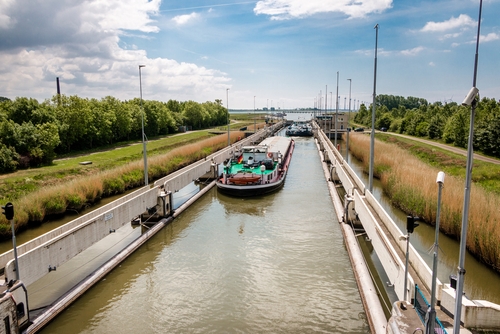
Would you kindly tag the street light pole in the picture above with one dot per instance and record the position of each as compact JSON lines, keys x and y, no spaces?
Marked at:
{"x":144,"y":152}
{"x":372,"y":137}
{"x":468,"y":174}
{"x":336,"y":108}
{"x":431,"y":318}
{"x":254,"y":119}
{"x":348,"y":121}
{"x":227,"y":106}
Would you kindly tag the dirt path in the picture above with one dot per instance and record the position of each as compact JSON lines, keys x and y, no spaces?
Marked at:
{"x":453,"y":149}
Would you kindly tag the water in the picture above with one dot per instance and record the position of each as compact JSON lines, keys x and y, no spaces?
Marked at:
{"x":275,"y":264}
{"x":271,"y":264}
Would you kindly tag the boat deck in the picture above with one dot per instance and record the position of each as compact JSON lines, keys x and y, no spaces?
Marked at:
{"x":277,"y":144}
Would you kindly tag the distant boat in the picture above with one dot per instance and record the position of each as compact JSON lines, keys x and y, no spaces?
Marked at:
{"x":259,"y":169}
{"x":299,"y":130}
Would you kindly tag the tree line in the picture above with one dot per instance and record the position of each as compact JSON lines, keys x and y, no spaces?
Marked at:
{"x":32,"y":134}
{"x":449,"y":122}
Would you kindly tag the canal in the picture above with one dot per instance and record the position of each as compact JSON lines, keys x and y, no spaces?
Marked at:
{"x":275,"y":264}
{"x":270,"y":264}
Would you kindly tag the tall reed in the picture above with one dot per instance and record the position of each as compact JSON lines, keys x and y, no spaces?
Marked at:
{"x":411,"y":185}
{"x":85,"y":191}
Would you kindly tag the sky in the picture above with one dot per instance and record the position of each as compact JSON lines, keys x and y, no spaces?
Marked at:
{"x":268,"y":53}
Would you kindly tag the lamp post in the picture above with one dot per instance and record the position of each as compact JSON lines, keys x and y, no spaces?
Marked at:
{"x":336,"y":108}
{"x":227,"y":106}
{"x":431,"y":318}
{"x":254,"y":119}
{"x":410,"y":227}
{"x":470,"y":100}
{"x":144,"y":152}
{"x":348,"y":121}
{"x":372,"y":136}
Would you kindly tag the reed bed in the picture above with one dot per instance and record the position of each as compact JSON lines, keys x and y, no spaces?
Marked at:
{"x":85,"y":191}
{"x":411,"y":185}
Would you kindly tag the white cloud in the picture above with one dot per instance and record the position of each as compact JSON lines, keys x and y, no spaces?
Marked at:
{"x":454,"y":35}
{"x":461,"y":22}
{"x":183,"y":19}
{"x":490,"y":37}
{"x":287,"y":9}
{"x":432,"y":64}
{"x":5,"y":20}
{"x":79,"y":42}
{"x":412,"y":52}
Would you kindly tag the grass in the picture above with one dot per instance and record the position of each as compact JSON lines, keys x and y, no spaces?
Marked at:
{"x":54,"y":195}
{"x":16,"y":185}
{"x":485,"y":174}
{"x":408,"y":176}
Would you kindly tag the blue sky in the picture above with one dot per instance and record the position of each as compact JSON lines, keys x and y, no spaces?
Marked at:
{"x":282,"y":52}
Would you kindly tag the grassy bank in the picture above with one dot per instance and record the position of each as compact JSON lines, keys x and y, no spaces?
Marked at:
{"x":76,"y":192}
{"x":408,"y":173}
{"x":22,"y":182}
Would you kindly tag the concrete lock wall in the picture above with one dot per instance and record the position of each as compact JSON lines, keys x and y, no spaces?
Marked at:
{"x":393,"y":266}
{"x":9,"y":255}
{"x":35,"y":263}
{"x":414,"y":258}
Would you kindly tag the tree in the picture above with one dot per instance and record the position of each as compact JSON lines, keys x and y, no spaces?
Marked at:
{"x":8,"y":159}
{"x":457,"y":128}
{"x":194,"y":114}
{"x":75,"y":117}
{"x":436,"y":126}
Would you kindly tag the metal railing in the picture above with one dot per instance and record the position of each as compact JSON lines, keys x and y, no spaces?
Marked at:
{"x":422,"y":306}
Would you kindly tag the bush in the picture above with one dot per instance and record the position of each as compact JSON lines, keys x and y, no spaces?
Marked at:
{"x":8,"y":159}
{"x":113,"y":185}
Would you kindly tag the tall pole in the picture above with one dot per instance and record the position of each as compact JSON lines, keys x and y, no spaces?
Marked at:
{"x":144,"y":152}
{"x":372,"y":137}
{"x":431,"y":322}
{"x":465,"y":212}
{"x":336,"y":108}
{"x":254,"y":119}
{"x":227,"y":105}
{"x":326,"y":112}
{"x":348,"y":121}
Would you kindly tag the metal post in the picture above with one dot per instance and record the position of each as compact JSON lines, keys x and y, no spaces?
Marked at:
{"x":326,"y":112}
{"x":431,"y":318}
{"x":227,"y":105}
{"x":8,"y":211}
{"x":372,"y":136}
{"x":465,"y":213}
{"x":15,"y":248}
{"x":336,"y":108}
{"x":406,"y":266}
{"x":144,"y":152}
{"x":348,"y":121}
{"x":254,"y":119}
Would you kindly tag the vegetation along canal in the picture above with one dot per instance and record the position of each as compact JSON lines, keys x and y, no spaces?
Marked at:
{"x":274,"y":264}
{"x":481,"y":282}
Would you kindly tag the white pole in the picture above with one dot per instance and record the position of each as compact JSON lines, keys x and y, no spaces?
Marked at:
{"x":372,"y":137}
{"x":465,"y":213}
{"x":144,"y":152}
